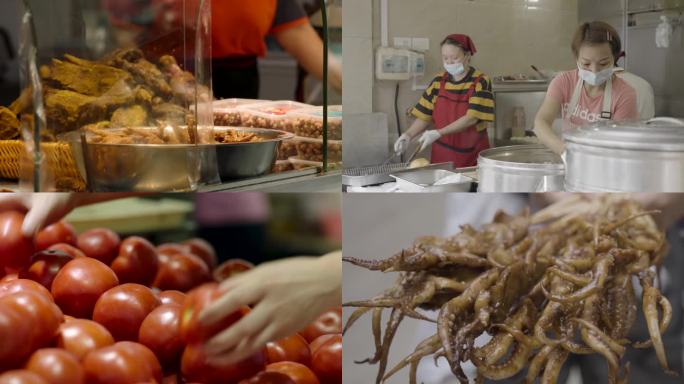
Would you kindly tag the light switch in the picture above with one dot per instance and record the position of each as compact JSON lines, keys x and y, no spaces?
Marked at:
{"x":420,"y":44}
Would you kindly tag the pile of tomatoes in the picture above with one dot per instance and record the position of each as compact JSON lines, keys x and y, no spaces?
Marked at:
{"x":93,"y":308}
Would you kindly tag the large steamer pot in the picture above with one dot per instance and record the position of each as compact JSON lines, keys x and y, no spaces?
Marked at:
{"x":635,"y":156}
{"x":520,"y":168}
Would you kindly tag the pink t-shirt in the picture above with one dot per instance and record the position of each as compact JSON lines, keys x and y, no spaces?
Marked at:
{"x":623,"y":106}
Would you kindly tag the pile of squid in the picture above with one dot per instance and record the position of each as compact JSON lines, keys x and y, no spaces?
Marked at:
{"x":543,"y":286}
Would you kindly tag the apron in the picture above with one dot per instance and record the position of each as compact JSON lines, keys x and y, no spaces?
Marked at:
{"x":607,"y":100}
{"x":460,"y":148}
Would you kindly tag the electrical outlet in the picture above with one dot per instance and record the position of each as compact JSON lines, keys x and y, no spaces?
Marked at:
{"x":420,"y":44}
{"x":402,"y":42}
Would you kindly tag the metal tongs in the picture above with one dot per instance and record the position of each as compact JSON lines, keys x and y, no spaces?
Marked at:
{"x":395,"y":154}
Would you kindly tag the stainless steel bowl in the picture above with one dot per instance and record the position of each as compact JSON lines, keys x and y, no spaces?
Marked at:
{"x":633,"y":156}
{"x":520,"y":168}
{"x":172,"y":167}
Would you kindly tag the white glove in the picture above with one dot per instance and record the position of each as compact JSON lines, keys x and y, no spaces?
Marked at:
{"x":401,"y":144}
{"x":428,"y":138}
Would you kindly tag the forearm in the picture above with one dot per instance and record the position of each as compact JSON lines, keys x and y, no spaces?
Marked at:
{"x":546,"y":135}
{"x":459,"y":125}
{"x":304,"y":44}
{"x":417,"y":127}
{"x":331,"y":266}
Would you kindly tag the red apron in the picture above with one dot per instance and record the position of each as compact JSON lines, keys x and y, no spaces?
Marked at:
{"x":460,"y":148}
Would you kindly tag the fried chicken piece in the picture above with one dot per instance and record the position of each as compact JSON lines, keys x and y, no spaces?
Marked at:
{"x":170,"y":113}
{"x":67,"y":110}
{"x":9,"y":125}
{"x":143,"y":71}
{"x":133,"y":116}
{"x":183,"y":83}
{"x":88,"y":78}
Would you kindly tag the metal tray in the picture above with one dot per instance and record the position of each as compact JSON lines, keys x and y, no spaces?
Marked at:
{"x":379,"y":174}
{"x":425,"y":180}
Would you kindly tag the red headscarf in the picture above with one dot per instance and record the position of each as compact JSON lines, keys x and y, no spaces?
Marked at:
{"x":465,"y":41}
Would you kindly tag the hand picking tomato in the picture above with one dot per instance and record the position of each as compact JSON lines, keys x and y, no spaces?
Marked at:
{"x":123,"y":362}
{"x":326,"y":361}
{"x":137,"y":261}
{"x":21,"y":376}
{"x":123,"y":308}
{"x":202,"y":249}
{"x":329,"y":322}
{"x":79,"y":284}
{"x":172,"y":297}
{"x":269,"y":378}
{"x":292,"y":348}
{"x":80,"y":336}
{"x":198,"y":299}
{"x":230,"y":268}
{"x":196,"y":367}
{"x":59,"y":232}
{"x":99,"y":243}
{"x":299,"y":373}
{"x":15,"y":249}
{"x":44,"y":266}
{"x":181,"y":271}
{"x":56,"y":366}
{"x":160,"y":332}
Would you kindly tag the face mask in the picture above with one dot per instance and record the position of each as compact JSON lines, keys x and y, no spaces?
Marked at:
{"x":596,"y":78}
{"x":454,"y":69}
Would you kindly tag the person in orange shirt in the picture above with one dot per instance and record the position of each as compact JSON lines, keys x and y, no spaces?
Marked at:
{"x":238,"y":29}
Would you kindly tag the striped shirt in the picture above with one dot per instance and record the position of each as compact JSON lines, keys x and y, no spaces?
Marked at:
{"x":481,"y":103}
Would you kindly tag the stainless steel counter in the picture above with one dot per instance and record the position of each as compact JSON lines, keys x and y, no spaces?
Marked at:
{"x":307,"y":180}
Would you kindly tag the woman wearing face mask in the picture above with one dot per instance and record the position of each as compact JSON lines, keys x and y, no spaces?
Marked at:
{"x":590,"y":93}
{"x":459,"y":102}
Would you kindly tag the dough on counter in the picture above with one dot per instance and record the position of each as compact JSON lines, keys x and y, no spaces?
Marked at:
{"x":417,"y":163}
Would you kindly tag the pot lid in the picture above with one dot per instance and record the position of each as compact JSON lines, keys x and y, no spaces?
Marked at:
{"x":529,"y":156}
{"x":662,"y":133}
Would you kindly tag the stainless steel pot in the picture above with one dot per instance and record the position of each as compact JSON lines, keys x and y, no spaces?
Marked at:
{"x":635,"y":156}
{"x":173,"y":167}
{"x":520,"y":168}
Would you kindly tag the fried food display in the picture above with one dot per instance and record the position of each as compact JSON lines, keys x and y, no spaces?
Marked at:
{"x":237,"y":137}
{"x":9,"y":125}
{"x":544,"y":286}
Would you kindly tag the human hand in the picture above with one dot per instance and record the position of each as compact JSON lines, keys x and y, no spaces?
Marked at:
{"x":428,"y":138}
{"x":41,"y":209}
{"x":287,"y":295}
{"x":402,"y":143}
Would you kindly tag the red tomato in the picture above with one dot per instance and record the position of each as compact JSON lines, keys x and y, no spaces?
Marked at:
{"x":204,"y":250}
{"x":160,"y":332}
{"x":172,"y":297}
{"x":15,"y":249}
{"x":59,"y":232}
{"x":122,"y":310}
{"x":80,"y":283}
{"x":99,"y":243}
{"x":123,"y":362}
{"x":68,"y":249}
{"x":44,"y":266}
{"x":198,"y":299}
{"x":21,"y":376}
{"x":292,"y":348}
{"x":181,"y":271}
{"x":57,"y":366}
{"x":326,"y":362}
{"x":320,"y":340}
{"x":17,"y":285}
{"x":269,"y":378}
{"x":9,"y":277}
{"x":231,"y":268}
{"x":329,"y":322}
{"x":195,"y":367}
{"x":27,"y":321}
{"x":80,"y":336}
{"x":136,"y":262}
{"x":299,"y":373}
{"x":171,"y":248}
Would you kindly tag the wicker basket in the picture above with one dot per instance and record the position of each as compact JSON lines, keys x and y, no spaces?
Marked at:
{"x":57,"y":155}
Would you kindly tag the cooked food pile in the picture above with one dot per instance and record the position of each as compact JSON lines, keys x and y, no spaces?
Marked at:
{"x":544,"y":286}
{"x":123,"y":89}
{"x":237,"y":137}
